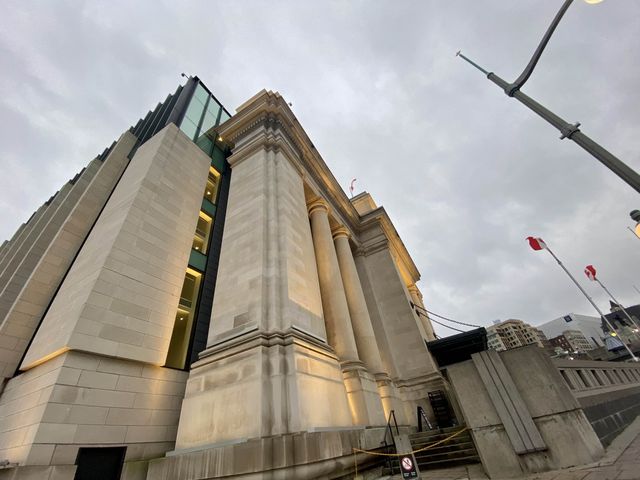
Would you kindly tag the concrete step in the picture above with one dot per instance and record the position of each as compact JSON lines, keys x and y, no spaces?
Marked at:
{"x":437,"y":431}
{"x":443,"y":463}
{"x":423,"y":442}
{"x":445,"y":448}
{"x":450,"y":455}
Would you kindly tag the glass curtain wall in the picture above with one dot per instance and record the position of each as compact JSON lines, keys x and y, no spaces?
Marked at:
{"x":202,"y":114}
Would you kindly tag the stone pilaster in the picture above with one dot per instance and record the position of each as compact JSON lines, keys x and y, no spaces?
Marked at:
{"x":416,"y":298}
{"x":268,"y":369}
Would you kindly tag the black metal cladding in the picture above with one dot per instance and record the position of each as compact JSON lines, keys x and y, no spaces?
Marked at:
{"x":182,"y":101}
{"x":200,"y":330}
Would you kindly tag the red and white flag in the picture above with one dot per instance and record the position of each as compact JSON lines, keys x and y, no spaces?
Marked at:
{"x":351,"y":186}
{"x":536,"y":243}
{"x":590,"y":272}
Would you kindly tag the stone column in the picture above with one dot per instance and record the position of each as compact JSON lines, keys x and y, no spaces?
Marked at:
{"x":334,"y":301}
{"x":416,"y":298}
{"x":361,"y":322}
{"x":364,"y":400}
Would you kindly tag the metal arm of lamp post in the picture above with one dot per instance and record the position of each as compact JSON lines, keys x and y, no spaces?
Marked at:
{"x":566,"y":129}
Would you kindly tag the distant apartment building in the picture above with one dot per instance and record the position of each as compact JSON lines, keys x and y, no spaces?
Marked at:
{"x":512,"y":334}
{"x":494,"y":342}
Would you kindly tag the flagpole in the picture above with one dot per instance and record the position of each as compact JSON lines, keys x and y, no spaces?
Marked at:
{"x":633,"y":357}
{"x":633,"y":322}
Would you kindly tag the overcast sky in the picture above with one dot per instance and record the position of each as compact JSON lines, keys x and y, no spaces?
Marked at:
{"x":465,"y":172}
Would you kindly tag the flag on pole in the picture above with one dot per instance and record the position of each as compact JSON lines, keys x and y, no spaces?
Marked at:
{"x":351,"y":186}
{"x":537,"y":243}
{"x":590,"y":272}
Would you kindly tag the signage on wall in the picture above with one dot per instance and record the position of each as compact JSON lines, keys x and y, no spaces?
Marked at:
{"x":408,"y":468}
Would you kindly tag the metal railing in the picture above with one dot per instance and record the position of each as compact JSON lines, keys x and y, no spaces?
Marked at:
{"x":422,"y":416}
{"x":392,"y":445}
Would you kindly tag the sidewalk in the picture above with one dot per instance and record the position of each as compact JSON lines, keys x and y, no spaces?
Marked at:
{"x":620,"y":462}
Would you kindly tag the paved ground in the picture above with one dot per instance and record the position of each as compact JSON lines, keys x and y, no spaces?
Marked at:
{"x":621,"y":462}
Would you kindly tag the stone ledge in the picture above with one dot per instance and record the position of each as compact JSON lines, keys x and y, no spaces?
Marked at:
{"x":319,"y":454}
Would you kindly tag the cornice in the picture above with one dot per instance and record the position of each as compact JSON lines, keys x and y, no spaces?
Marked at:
{"x":269,"y":111}
{"x":380,"y":218}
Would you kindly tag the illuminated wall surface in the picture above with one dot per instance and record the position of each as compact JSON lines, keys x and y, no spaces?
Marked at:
{"x":158,"y":306}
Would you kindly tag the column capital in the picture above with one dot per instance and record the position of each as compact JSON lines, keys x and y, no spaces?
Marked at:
{"x":413,"y":288}
{"x":340,"y":231}
{"x":317,"y":205}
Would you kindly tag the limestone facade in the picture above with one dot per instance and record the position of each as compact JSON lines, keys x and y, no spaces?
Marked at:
{"x":312,"y":339}
{"x":313,"y":329}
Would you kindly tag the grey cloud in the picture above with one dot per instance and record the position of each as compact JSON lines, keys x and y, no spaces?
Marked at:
{"x":465,"y":172}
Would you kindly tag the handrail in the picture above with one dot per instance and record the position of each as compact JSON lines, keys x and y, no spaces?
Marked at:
{"x":423,"y":416}
{"x":392,"y":414}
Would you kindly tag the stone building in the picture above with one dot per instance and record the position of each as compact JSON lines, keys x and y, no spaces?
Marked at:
{"x":203,"y":300}
{"x":512,"y":334}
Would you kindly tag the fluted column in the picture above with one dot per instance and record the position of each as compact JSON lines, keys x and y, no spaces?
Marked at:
{"x":360,"y":321}
{"x":334,"y":301}
{"x":424,"y":319}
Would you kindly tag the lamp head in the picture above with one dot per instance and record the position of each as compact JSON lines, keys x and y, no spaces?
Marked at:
{"x":592,"y":2}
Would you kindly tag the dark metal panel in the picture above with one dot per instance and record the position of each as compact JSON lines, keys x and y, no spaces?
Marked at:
{"x":203,"y":316}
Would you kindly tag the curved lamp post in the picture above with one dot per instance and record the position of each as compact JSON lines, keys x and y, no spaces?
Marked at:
{"x":566,"y":129}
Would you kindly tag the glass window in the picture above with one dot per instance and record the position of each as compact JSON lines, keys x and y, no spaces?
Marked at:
{"x":203,"y":229}
{"x":224,"y":117}
{"x":205,"y":144}
{"x":189,"y":128}
{"x":194,"y":111}
{"x":213,"y":108}
{"x":211,"y":189}
{"x":201,"y":94}
{"x":183,"y":323}
{"x":208,"y":121}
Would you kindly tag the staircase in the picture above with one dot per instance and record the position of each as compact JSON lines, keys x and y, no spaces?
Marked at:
{"x":460,"y":450}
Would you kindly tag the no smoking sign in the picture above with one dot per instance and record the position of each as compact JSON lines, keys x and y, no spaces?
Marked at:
{"x":408,"y":468}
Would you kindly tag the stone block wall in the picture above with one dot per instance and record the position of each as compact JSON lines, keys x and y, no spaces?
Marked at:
{"x":523,"y":418}
{"x":121,"y":294}
{"x":82,"y":400}
{"x":23,"y":317}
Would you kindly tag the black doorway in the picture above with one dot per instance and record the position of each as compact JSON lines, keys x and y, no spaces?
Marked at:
{"x":100,"y":463}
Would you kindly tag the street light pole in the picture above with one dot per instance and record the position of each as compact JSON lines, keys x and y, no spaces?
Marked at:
{"x":566,"y":129}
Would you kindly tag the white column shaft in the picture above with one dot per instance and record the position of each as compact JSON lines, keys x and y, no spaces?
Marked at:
{"x":334,"y":302}
{"x":360,"y":320}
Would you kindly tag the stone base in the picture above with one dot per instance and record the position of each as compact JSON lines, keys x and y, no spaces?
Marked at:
{"x":259,"y":385}
{"x":309,"y":455}
{"x":390,"y":398}
{"x":362,"y":391}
